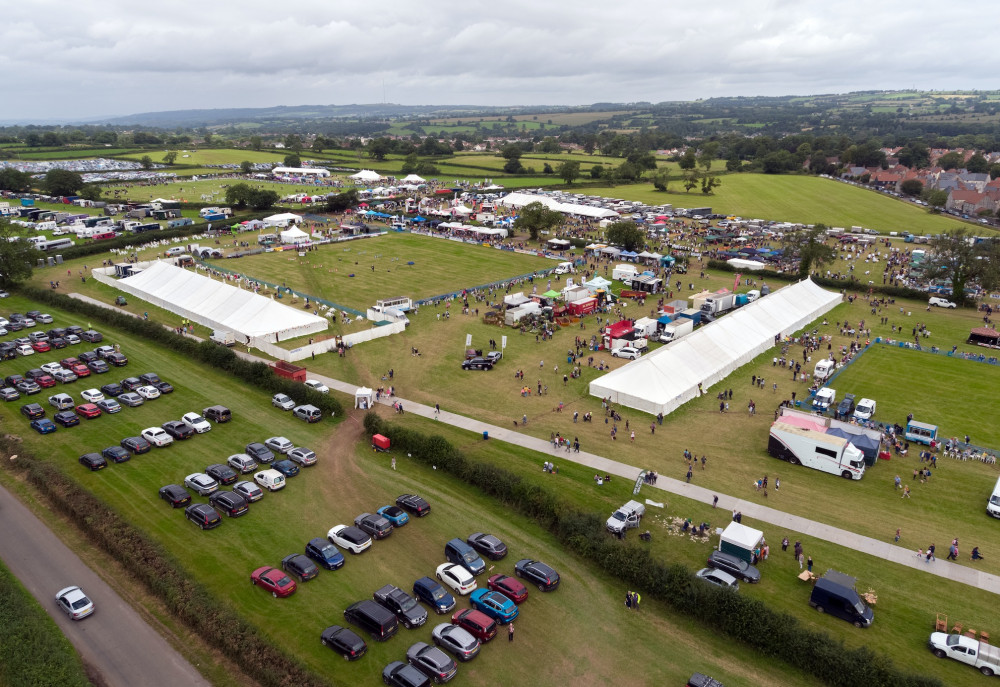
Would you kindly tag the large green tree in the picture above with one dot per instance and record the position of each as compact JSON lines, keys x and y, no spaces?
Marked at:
{"x":246,"y":167}
{"x":14,"y":180}
{"x":977,"y":164}
{"x":292,"y":160}
{"x":569,"y":171}
{"x":146,"y":161}
{"x":342,"y":201}
{"x":16,"y":255}
{"x":535,"y":218}
{"x":170,"y":157}
{"x":61,"y":182}
{"x":626,"y":235}
{"x":808,"y":244}
{"x":956,"y":257}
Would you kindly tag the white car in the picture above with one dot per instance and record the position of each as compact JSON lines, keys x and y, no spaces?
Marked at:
{"x":456,"y":577}
{"x":941,"y":303}
{"x":61,"y":401}
{"x":51,"y":368}
{"x":626,"y":352}
{"x":74,"y":603}
{"x":201,"y":483}
{"x":311,"y":383}
{"x":241,"y":462}
{"x":25,"y":349}
{"x":282,"y":401}
{"x":72,"y":339}
{"x":44,"y":318}
{"x":279,"y":445}
{"x":148,"y":392}
{"x":349,"y":537}
{"x":157,"y":437}
{"x":92,"y":395}
{"x":200,"y":424}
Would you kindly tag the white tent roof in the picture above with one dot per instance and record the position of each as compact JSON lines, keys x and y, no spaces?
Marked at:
{"x":661,"y":381}
{"x":741,"y":264}
{"x":366,"y":175}
{"x":218,"y":305}
{"x":301,"y":171}
{"x":294,"y":235}
{"x":282,"y":219}
{"x":519,"y":200}
{"x":364,"y":394}
{"x":740,"y":535}
{"x":413,"y":179}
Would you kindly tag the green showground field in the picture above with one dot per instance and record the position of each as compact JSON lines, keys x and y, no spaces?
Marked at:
{"x":214,"y":156}
{"x":808,"y":200}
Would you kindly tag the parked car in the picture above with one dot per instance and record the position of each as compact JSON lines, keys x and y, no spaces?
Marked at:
{"x":302,"y":456}
{"x":201,"y":483}
{"x":114,"y":389}
{"x":98,"y":367}
{"x":477,"y":364}
{"x":248,"y":490}
{"x":325,"y":553}
{"x":272,"y":480}
{"x":718,"y":577}
{"x":80,"y":370}
{"x":317,"y":385}
{"x":375,"y":525}
{"x":117,"y":359}
{"x":65,"y":376}
{"x":131,"y":399}
{"x":456,"y":640}
{"x":196,"y":421}
{"x":737,"y":567}
{"x":494,"y":604}
{"x":309,"y":413}
{"x":66,"y":418}
{"x":92,"y":395}
{"x":941,"y":303}
{"x":242,"y":463}
{"x":628,"y":352}
{"x":274,"y":581}
{"x":279,"y":445}
{"x":61,"y":401}
{"x":404,"y":606}
{"x":350,"y":538}
{"x":175,"y":495}
{"x":511,"y":587}
{"x":394,"y":514}
{"x":260,"y":453}
{"x":286,"y":467}
{"x":299,"y":566}
{"x":478,"y":624}
{"x":74,"y":603}
{"x":217,"y":414}
{"x":28,"y":387}
{"x":109,"y":405}
{"x":136,"y":445}
{"x":344,"y":642}
{"x":178,"y":429}
{"x":222,"y":473}
{"x":282,"y":401}
{"x":116,"y":454}
{"x":399,"y":674}
{"x":377,"y":621}
{"x":32,"y":411}
{"x":433,"y":594}
{"x":544,"y":577}
{"x":148,"y":392}
{"x":413,"y":504}
{"x":488,"y":545}
{"x":88,"y":410}
{"x":49,"y":368}
{"x":456,"y":577}
{"x":230,"y":503}
{"x":157,"y":437}
{"x":457,"y":551}
{"x":93,"y":461}
{"x":432,"y":662}
{"x":9,"y":394}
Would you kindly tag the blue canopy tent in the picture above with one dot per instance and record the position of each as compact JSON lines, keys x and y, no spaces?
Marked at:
{"x":864,"y":443}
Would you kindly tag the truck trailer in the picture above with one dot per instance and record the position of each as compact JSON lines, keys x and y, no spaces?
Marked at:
{"x":816,"y":450}
{"x":676,"y":329}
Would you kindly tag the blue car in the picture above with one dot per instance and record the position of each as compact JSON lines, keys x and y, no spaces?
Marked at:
{"x":325,"y":553}
{"x":286,"y":468}
{"x":433,"y":594}
{"x":494,"y":604}
{"x":43,"y":426}
{"x":394,"y":514}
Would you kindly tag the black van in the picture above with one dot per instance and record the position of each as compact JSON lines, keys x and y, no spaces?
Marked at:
{"x":378,"y":621}
{"x":841,"y":601}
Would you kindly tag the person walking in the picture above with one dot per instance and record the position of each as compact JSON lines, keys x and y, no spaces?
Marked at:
{"x":635,"y":601}
{"x":689,"y":474}
{"x":906,"y":492}
{"x":628,"y":599}
{"x":930,"y":553}
{"x":715,"y":501}
{"x":510,"y":632}
{"x":394,"y":462}
{"x":897,"y":535}
{"x":799,"y":557}
{"x":784,"y":544}
{"x":809,"y":564}
{"x":437,"y":408}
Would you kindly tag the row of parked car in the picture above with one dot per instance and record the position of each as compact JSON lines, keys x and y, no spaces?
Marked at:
{"x":66,"y":371}
{"x":38,"y":341}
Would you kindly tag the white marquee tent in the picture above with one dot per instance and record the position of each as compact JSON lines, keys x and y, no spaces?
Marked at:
{"x":364,"y":398}
{"x":301,"y":171}
{"x":751,"y":265}
{"x":519,"y":200}
{"x":294,"y":235}
{"x":218,"y":305}
{"x":414,"y":179}
{"x":366,"y":175}
{"x":661,"y":381}
{"x":282,"y":219}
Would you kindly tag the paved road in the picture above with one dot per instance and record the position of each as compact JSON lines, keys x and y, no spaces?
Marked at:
{"x":115,"y":640}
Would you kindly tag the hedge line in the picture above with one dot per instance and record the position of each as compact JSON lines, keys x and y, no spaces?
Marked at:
{"x":851,"y":284}
{"x":257,"y":374}
{"x":51,"y":659}
{"x":161,"y":574}
{"x":753,"y":622}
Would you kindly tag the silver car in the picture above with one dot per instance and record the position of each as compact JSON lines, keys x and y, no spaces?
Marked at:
{"x":279,"y":445}
{"x":718,"y":577}
{"x":74,"y":603}
{"x":201,"y":483}
{"x":302,"y":456}
{"x":242,"y":463}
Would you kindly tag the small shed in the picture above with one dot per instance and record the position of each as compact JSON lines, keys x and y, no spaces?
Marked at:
{"x":740,"y":541}
{"x":364,"y":398}
{"x":984,"y":336}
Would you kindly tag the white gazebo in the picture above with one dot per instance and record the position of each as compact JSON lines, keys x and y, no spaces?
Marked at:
{"x":366,"y":175}
{"x":413,"y":179}
{"x":364,"y":398}
{"x":282,"y":219}
{"x":294,"y":235}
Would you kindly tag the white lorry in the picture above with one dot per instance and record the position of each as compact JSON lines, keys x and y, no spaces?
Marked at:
{"x":626,"y":517}
{"x":825,"y":398}
{"x":823,"y":369}
{"x":980,"y":655}
{"x":817,"y":450}
{"x":672,"y":331}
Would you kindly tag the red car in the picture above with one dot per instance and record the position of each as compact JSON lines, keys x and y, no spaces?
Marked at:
{"x":510,"y":587}
{"x":80,"y":370}
{"x":45,"y":381}
{"x":273,"y":580}
{"x":477,"y":623}
{"x":41,"y":347}
{"x":88,"y":410}
{"x":68,"y":363}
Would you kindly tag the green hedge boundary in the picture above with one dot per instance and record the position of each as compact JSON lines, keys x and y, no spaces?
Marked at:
{"x":838,"y":284}
{"x":768,"y":632}
{"x":257,"y":374}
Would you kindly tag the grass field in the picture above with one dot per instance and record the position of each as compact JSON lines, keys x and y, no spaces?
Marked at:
{"x":214,"y":156}
{"x":808,"y":200}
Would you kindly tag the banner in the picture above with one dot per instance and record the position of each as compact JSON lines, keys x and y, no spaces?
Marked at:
{"x":468,"y":340}
{"x":736,"y":284}
{"x":503,"y":342}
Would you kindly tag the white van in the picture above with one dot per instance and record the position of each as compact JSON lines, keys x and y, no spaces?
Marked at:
{"x":272,"y":480}
{"x":563,"y":268}
{"x":993,"y":507}
{"x":45,"y":226}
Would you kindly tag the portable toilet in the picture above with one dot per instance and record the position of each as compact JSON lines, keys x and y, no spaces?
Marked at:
{"x":740,"y":541}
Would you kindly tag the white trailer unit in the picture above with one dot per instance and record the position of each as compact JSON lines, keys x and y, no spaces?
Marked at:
{"x":672,"y":331}
{"x":816,"y":450}
{"x":624,"y":272}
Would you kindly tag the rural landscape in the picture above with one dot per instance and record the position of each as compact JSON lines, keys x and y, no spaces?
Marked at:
{"x":692,"y":392}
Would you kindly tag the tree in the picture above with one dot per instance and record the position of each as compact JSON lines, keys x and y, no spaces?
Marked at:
{"x":957,"y":258}
{"x":262,"y":199}
{"x":90,"y":192}
{"x":535,"y":218}
{"x":293,"y":160}
{"x":550,"y":145}
{"x":61,"y":182}
{"x":597,"y":171}
{"x":238,"y":195}
{"x":547,"y":169}
{"x":627,"y":235}
{"x":569,"y":171}
{"x":708,"y":153}
{"x":809,"y":246}
{"x":16,"y":255}
{"x":146,"y":161}
{"x":14,"y":180}
{"x":994,"y":170}
{"x":511,"y":151}
{"x":709,"y":182}
{"x":690,"y":180}
{"x":912,"y":187}
{"x":660,"y":180}
{"x":293,"y":142}
{"x":342,"y":201}
{"x":246,"y":167}
{"x":513,"y":166}
{"x":256,"y":142}
{"x":733,"y":164}
{"x":977,"y":164}
{"x":952,"y":160}
{"x":935,"y":197}
{"x":688,"y":160}
{"x":170,"y":157}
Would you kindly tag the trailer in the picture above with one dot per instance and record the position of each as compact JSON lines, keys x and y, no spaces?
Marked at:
{"x":293,"y":372}
{"x":718,"y":304}
{"x":817,"y":450}
{"x":676,"y":329}
{"x":691,"y":314}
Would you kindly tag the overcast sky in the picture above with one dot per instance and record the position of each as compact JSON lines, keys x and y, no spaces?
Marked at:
{"x":62,"y":59}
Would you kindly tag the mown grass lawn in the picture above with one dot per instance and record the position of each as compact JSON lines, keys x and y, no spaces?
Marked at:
{"x":214,"y":156}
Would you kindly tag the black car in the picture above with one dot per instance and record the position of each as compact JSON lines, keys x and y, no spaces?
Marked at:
{"x":114,"y":389}
{"x":74,"y":329}
{"x":260,"y":453}
{"x":98,"y":366}
{"x":150,"y":378}
{"x":737,"y":567}
{"x":432,"y":662}
{"x":399,"y":674}
{"x":230,"y":503}
{"x":94,"y":461}
{"x":56,"y":333}
{"x":32,"y":411}
{"x":164,"y":387}
{"x":488,"y":545}
{"x":178,"y":429}
{"x":203,"y":515}
{"x":66,"y":418}
{"x":477,"y":364}
{"x":58,"y":342}
{"x":344,"y":642}
{"x":222,"y":473}
{"x":299,"y":566}
{"x":116,"y":454}
{"x":414,"y":504}
{"x":35,"y":374}
{"x":87,"y":357}
{"x":13,"y":380}
{"x":129,"y":383}
{"x":175,"y":495}
{"x":136,"y":445}
{"x":116,"y":359}
{"x":325,"y":553}
{"x":537,"y":573}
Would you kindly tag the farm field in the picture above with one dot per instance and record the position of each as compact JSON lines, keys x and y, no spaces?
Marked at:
{"x":808,"y":200}
{"x":213,"y":156}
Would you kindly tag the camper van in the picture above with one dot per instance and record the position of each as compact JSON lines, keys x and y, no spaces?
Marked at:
{"x":993,"y":507}
{"x":921,"y":433}
{"x":823,"y":370}
{"x":563,"y":268}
